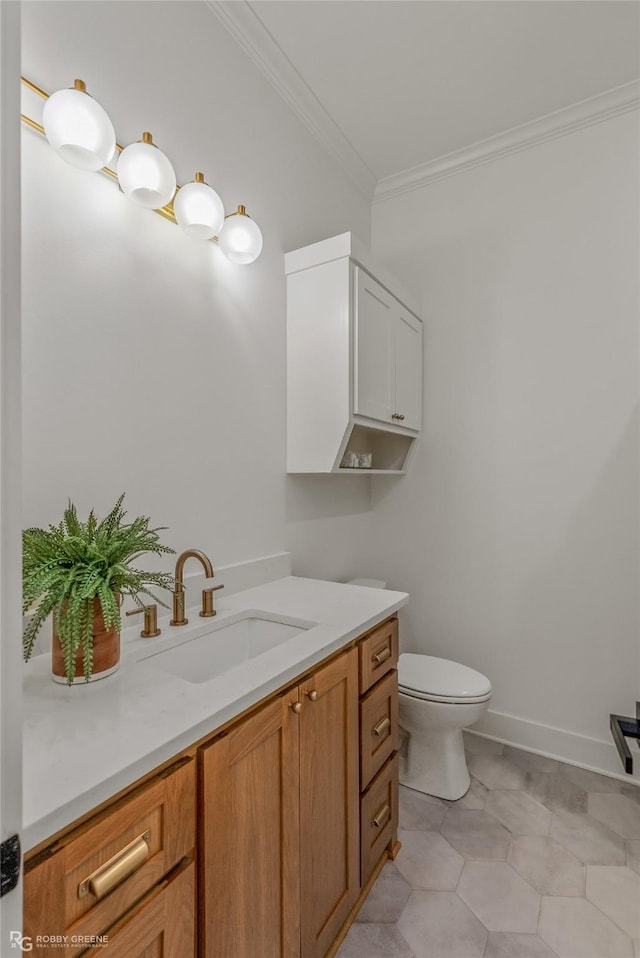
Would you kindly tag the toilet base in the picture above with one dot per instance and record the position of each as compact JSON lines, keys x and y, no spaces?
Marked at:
{"x":436,"y":765}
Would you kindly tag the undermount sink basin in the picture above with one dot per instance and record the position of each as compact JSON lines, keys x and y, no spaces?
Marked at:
{"x":204,"y":656}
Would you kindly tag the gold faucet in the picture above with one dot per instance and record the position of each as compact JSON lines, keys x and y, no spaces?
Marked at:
{"x":178,"y":595}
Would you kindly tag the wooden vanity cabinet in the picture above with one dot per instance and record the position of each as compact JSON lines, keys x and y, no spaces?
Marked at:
{"x":279,"y":848}
{"x":259,"y":843}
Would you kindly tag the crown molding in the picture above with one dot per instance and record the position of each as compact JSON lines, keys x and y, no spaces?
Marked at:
{"x":246,"y":28}
{"x":613,"y":103}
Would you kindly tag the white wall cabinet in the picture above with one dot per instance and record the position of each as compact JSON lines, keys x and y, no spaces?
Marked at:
{"x":388,"y":356}
{"x":354,"y":363}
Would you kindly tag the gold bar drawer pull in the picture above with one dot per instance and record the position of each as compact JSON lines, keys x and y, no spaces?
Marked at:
{"x":381,"y":655}
{"x":103,"y":879}
{"x":383,"y":726}
{"x":381,"y":817}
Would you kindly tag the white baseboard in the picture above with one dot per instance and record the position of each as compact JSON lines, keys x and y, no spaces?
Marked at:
{"x":591,"y":753}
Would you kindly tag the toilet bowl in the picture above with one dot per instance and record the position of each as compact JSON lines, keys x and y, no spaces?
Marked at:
{"x":437,"y":700}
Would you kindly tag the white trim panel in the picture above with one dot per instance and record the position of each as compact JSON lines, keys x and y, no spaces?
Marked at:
{"x":562,"y":744}
{"x":10,"y":459}
{"x":247,"y":29}
{"x":613,"y":103}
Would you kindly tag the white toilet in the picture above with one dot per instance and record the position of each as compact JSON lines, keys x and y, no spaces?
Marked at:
{"x":438,"y":698}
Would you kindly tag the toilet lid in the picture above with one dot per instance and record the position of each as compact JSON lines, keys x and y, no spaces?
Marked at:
{"x":425,"y":675}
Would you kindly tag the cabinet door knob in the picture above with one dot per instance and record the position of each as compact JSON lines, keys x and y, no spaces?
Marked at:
{"x":313,"y":695}
{"x":400,"y":417}
{"x":296,"y":707}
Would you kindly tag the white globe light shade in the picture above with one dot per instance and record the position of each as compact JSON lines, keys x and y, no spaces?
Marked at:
{"x":241,"y":239}
{"x":198,"y":209}
{"x":78,"y":128}
{"x":146,"y":175}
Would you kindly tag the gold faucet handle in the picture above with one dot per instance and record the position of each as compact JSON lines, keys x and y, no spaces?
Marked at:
{"x":150,"y":628}
{"x":207,"y":601}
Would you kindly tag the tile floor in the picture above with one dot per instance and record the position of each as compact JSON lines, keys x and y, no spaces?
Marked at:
{"x":538,"y":860}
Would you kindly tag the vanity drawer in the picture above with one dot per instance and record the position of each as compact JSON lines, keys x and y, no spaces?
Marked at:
{"x":161,"y":926}
{"x":87,"y":880}
{"x":378,"y":817}
{"x":378,"y":726}
{"x":378,"y":654}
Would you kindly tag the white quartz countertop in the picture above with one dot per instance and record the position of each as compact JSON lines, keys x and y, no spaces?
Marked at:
{"x":85,"y":743}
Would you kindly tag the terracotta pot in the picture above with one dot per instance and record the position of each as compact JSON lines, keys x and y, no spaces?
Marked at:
{"x":106,"y":651}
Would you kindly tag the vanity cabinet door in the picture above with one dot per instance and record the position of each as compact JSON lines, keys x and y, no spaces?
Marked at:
{"x":249,"y":849}
{"x":279,"y":832}
{"x":329,"y":808}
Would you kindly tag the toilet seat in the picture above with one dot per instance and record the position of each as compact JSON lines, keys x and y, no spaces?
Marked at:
{"x":440,"y":680}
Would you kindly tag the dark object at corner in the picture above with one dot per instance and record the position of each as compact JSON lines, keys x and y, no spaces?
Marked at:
{"x":622,"y":728}
{"x":9,"y":864}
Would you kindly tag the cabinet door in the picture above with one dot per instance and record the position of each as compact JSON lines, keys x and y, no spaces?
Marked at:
{"x":374,"y":366}
{"x":249,"y":848}
{"x":329,"y":824}
{"x":408,"y":374}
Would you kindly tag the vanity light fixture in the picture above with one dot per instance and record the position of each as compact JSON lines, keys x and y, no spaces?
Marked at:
{"x":80,"y":131}
{"x":241,"y":239}
{"x":146,"y":175}
{"x":78,"y":128}
{"x":199,"y":210}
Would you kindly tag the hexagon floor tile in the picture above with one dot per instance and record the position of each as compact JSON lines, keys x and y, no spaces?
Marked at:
{"x":386,"y":900}
{"x":476,"y":834}
{"x":518,"y":812}
{"x":589,"y":840}
{"x":374,"y":941}
{"x":501,"y":944}
{"x":495,"y":771}
{"x":574,"y":928}
{"x":633,"y":855}
{"x":420,"y":812}
{"x":427,"y":861}
{"x":549,"y":867}
{"x":499,"y":897}
{"x":538,"y":860}
{"x":556,"y":792}
{"x":616,"y":892}
{"x":618,"y":812}
{"x":437,"y":924}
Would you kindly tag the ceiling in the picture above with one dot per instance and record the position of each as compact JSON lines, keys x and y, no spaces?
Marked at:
{"x":403,"y":82}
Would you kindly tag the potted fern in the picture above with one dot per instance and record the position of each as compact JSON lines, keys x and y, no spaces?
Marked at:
{"x":80,"y":572}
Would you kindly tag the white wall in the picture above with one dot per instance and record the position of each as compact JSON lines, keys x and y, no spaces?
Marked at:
{"x":516,"y":531}
{"x":151,"y":364}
